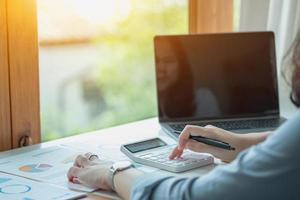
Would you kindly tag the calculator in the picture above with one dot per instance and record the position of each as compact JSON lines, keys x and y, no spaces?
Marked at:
{"x":155,"y":153}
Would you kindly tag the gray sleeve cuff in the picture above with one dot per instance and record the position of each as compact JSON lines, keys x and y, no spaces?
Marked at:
{"x":143,"y":187}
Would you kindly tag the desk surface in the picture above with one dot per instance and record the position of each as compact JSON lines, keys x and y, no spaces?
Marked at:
{"x":111,"y":138}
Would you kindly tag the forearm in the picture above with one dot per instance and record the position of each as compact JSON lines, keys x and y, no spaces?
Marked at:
{"x":250,"y":139}
{"x":239,"y":141}
{"x":124,"y":181}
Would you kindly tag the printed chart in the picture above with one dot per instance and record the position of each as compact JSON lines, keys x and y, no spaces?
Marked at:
{"x":4,"y":180}
{"x":15,"y":189}
{"x":35,"y":168}
{"x":47,"y":165}
{"x":18,"y":188}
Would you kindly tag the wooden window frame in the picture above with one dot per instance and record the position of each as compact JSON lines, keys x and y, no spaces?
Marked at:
{"x":19,"y":75}
{"x":210,"y":16}
{"x":5,"y":119}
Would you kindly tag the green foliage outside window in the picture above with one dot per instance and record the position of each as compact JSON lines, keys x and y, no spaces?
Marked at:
{"x":126,"y":70}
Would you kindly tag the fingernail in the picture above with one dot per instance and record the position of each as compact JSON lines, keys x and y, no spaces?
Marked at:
{"x":73,"y":179}
{"x":76,"y":181}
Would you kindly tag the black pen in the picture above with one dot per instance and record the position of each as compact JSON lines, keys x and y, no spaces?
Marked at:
{"x":209,"y":141}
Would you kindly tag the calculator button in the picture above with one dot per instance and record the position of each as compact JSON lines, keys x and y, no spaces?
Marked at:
{"x":152,"y":158}
{"x":157,"y":153}
{"x":145,"y":155}
{"x":164,"y":161}
{"x":178,"y":164}
{"x":189,"y":162}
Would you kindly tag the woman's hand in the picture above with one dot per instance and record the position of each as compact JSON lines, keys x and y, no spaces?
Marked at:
{"x":95,"y":173}
{"x":90,"y":172}
{"x":235,"y":140}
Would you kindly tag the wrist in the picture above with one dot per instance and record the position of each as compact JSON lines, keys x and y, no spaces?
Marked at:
{"x":102,"y":176}
{"x":115,"y":169}
{"x":235,"y":140}
{"x":250,"y":139}
{"x":125,"y":180}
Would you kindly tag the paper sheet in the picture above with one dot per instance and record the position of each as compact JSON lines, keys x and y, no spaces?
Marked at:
{"x":47,"y":165}
{"x":17,"y":188}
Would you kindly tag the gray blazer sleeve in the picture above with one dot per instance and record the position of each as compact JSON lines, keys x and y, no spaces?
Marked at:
{"x":270,"y":170}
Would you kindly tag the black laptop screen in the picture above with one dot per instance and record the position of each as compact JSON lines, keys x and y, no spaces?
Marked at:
{"x":216,"y":76}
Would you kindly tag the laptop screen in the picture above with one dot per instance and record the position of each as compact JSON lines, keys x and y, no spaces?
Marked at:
{"x":216,"y":76}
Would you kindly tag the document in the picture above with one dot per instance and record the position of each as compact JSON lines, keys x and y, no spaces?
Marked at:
{"x":18,"y":188}
{"x":48,"y":165}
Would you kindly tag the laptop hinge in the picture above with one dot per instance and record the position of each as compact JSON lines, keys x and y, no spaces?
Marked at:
{"x":225,"y":120}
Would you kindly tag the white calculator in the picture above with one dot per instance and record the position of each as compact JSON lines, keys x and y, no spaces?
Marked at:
{"x":155,"y":153}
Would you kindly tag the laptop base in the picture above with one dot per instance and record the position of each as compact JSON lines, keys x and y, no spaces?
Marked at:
{"x":236,"y":126}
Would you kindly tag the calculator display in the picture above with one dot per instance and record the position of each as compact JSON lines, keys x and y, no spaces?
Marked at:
{"x":145,"y":145}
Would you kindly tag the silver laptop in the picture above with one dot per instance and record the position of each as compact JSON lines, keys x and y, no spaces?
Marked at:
{"x":228,"y":80}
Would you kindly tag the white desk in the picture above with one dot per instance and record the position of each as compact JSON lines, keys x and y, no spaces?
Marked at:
{"x":108,"y":141}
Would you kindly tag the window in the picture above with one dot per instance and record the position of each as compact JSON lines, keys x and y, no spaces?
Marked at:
{"x":96,"y":61}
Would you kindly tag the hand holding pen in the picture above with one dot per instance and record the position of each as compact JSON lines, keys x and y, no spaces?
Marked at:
{"x":218,"y":142}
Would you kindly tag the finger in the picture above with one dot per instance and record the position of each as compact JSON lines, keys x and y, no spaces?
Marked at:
{"x":81,"y":161}
{"x":203,"y":148}
{"x":73,"y":172}
{"x":179,"y":154}
{"x":173,"y":153}
{"x":176,"y":151}
{"x":75,"y":180}
{"x":89,"y":154}
{"x":209,"y":131}
{"x":184,"y":137}
{"x":190,"y":130}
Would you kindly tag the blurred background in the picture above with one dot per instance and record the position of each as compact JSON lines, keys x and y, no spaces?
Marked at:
{"x":96,"y":61}
{"x":96,"y":57}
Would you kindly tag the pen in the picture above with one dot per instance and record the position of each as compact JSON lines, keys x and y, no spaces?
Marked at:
{"x":212,"y":142}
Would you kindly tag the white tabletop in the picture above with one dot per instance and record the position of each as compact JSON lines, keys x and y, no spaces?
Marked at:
{"x":106,"y":142}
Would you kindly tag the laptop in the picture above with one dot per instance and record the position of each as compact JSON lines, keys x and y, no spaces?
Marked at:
{"x":228,"y":80}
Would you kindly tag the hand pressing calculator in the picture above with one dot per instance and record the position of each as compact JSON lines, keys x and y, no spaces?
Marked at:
{"x":155,"y":153}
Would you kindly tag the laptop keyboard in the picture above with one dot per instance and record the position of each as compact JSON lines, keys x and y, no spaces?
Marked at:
{"x":234,"y":125}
